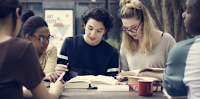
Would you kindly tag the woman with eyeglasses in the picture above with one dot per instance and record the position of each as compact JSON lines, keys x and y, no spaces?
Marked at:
{"x":19,"y":64}
{"x":36,"y":30}
{"x":143,"y":45}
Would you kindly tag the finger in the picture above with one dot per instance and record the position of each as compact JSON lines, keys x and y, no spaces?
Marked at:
{"x":61,"y":77}
{"x":59,"y":72}
{"x":61,"y":69}
{"x":54,"y":76}
{"x":61,"y":66}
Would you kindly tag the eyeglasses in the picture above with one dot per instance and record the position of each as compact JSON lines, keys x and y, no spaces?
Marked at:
{"x":43,"y":38}
{"x":132,"y":30}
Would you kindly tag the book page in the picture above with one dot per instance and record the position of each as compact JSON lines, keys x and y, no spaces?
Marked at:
{"x":157,"y":75}
{"x":130,"y":73}
{"x":86,"y":78}
{"x":104,"y":80}
{"x":151,"y":70}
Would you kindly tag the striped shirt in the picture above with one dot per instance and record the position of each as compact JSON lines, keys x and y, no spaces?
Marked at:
{"x":181,"y":76}
{"x":85,"y":59}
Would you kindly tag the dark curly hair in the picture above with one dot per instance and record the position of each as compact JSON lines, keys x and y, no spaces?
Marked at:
{"x":99,"y":14}
{"x":32,"y":24}
{"x":9,"y":6}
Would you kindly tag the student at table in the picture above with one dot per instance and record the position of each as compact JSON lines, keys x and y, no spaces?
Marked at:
{"x":143,"y":45}
{"x":90,"y":54}
{"x":19,"y":65}
{"x":181,"y":76}
{"x":36,"y":30}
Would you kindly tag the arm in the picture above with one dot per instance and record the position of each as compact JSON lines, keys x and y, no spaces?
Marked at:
{"x":30,"y":74}
{"x":174,"y":72}
{"x":51,"y":59}
{"x":62,"y":57}
{"x":114,"y":64}
{"x":123,"y":61}
{"x":40,"y":92}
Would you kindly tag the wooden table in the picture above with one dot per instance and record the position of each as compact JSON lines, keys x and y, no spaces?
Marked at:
{"x":94,"y":94}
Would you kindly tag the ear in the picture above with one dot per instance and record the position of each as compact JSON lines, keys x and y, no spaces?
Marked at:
{"x":84,"y":26}
{"x":27,"y":37}
{"x":17,"y":13}
{"x":105,"y":32}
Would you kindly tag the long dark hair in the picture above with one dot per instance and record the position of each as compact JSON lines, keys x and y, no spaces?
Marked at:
{"x":9,"y":6}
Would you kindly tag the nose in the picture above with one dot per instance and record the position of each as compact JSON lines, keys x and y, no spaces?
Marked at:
{"x":93,"y":33}
{"x":46,"y":42}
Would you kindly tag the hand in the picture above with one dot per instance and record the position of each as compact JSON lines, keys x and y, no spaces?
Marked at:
{"x":56,"y":88}
{"x":123,"y":78}
{"x":52,"y":77}
{"x":60,"y":69}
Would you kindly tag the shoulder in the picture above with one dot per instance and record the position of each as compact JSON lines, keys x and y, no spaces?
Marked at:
{"x":51,"y":47}
{"x":73,"y":39}
{"x":20,"y":44}
{"x":18,"y":47}
{"x":182,"y":46}
{"x":109,"y":46}
{"x":168,"y":36}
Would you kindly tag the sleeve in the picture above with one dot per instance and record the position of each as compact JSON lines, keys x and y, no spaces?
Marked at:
{"x":30,"y":73}
{"x":174,"y":73}
{"x":114,"y":64}
{"x":51,"y":60}
{"x":171,"y":43}
{"x":62,"y":57}
{"x":123,"y":61}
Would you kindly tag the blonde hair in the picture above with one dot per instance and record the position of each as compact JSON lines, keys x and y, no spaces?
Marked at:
{"x":134,"y":8}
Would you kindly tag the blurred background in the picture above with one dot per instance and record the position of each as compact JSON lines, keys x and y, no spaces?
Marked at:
{"x":166,"y":13}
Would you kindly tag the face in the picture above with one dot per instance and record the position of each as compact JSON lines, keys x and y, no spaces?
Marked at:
{"x":94,"y":30}
{"x":38,"y":41}
{"x":133,"y":27}
{"x":191,"y":18}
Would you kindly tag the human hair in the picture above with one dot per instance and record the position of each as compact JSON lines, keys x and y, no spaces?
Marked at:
{"x":134,"y":8}
{"x":32,"y":24}
{"x":7,"y":7}
{"x":99,"y":14}
{"x":27,"y":13}
{"x":197,"y":5}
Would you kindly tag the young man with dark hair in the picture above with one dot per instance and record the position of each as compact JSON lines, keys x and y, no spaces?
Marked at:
{"x":89,"y":54}
{"x":181,"y":76}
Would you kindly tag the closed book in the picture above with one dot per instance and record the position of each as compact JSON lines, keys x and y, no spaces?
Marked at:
{"x":113,"y":88}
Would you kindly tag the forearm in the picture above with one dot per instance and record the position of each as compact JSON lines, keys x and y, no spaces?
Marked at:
{"x":26,"y":93}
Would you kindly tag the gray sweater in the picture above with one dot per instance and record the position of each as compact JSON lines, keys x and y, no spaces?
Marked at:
{"x":156,"y":58}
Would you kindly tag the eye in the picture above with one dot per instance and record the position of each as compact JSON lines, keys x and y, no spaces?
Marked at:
{"x":90,"y":28}
{"x":41,"y":39}
{"x":99,"y":31}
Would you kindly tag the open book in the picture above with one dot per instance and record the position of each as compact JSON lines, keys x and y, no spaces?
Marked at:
{"x":145,"y":72}
{"x":90,"y":81}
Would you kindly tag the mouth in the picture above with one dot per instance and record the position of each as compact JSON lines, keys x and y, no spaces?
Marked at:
{"x":92,"y":39}
{"x":44,"y":48}
{"x":134,"y":35}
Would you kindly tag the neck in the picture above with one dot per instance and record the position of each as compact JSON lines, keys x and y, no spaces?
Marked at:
{"x":6,"y":31}
{"x":84,"y":37}
{"x":40,"y":54}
